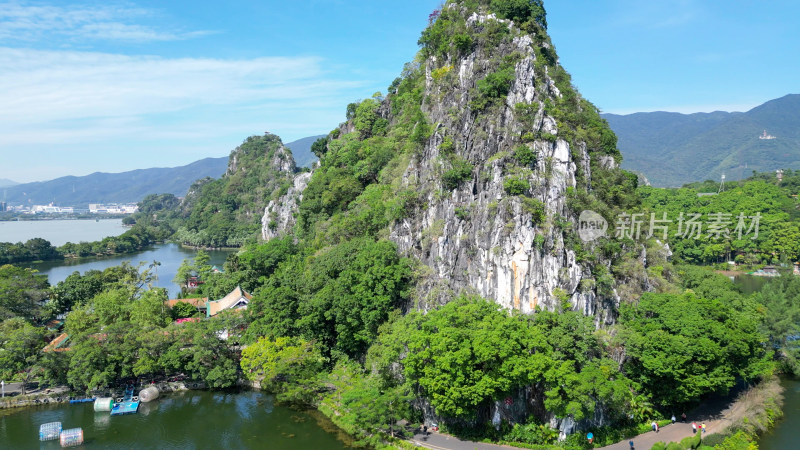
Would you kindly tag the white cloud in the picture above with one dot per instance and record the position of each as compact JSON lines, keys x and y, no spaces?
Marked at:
{"x":22,"y":22}
{"x":40,"y":87}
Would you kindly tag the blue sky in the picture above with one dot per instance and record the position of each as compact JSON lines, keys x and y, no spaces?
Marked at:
{"x":112,"y":86}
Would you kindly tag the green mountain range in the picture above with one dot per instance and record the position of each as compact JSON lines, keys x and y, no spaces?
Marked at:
{"x":124,"y":187}
{"x":131,"y":186}
{"x":301,"y":150}
{"x":671,"y":149}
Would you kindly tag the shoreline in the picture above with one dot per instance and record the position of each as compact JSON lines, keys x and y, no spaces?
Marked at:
{"x":62,"y":394}
{"x":200,"y":247}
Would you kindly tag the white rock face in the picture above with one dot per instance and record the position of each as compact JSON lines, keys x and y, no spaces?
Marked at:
{"x":492,"y":247}
{"x":477,"y":238}
{"x":278,"y":218}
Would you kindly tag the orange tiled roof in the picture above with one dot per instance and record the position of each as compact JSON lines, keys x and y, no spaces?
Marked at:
{"x":228,"y":301}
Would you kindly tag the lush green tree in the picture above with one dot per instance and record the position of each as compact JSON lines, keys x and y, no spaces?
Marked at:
{"x":581,"y":374}
{"x":112,"y":306}
{"x":89,"y":365}
{"x":21,"y":293}
{"x":183,"y":310}
{"x":152,"y":345}
{"x":364,"y":401}
{"x":467,"y":353}
{"x":286,"y":366}
{"x":680,"y":347}
{"x":36,"y":249}
{"x":521,"y":10}
{"x":200,"y":352}
{"x":20,"y":350}
{"x":150,"y":310}
{"x":337,"y":297}
{"x":55,"y":366}
{"x":782,"y":318}
{"x":74,"y":290}
{"x":320,"y":147}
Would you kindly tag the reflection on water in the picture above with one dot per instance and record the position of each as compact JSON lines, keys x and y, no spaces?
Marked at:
{"x":784,"y":435}
{"x":189,"y":420}
{"x":751,"y":283}
{"x":170,"y":257}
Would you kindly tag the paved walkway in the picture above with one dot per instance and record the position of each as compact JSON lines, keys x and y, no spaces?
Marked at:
{"x":668,"y":433}
{"x":439,"y":441}
{"x":716,"y":413}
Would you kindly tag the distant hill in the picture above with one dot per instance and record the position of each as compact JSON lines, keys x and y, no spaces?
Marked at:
{"x":672,"y":149}
{"x":121,"y":187}
{"x":5,"y":182}
{"x":301,"y":150}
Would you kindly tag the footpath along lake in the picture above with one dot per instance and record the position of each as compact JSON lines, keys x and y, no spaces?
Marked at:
{"x":187,"y":420}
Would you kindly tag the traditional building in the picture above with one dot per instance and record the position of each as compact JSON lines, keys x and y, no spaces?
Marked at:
{"x":236,"y":299}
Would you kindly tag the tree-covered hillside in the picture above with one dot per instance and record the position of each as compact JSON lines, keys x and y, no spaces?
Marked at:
{"x":671,"y":149}
{"x":752,"y":221}
{"x":436,"y":271}
{"x":227,"y":212}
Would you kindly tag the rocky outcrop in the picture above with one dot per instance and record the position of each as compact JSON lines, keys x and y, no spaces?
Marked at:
{"x":477,"y":237}
{"x":279,"y":215}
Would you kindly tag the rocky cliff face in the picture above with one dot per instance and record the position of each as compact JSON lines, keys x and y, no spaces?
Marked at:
{"x":510,"y":142}
{"x":477,"y":237}
{"x":279,"y":215}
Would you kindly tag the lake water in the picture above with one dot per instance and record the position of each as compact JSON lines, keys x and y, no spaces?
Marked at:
{"x":751,"y":283}
{"x":784,"y":435}
{"x":59,"y":232}
{"x":188,"y":420}
{"x":169,"y":255}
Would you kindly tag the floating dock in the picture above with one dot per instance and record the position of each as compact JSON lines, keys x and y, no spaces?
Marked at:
{"x":127,"y":406}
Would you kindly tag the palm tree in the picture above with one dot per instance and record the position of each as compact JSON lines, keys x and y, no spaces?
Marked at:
{"x":641,"y":408}
{"x":154,"y":265}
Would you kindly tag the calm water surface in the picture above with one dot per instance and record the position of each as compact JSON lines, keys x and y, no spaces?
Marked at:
{"x":59,"y":232}
{"x":751,"y":283}
{"x":785,"y":433}
{"x":189,"y":420}
{"x":169,"y":255}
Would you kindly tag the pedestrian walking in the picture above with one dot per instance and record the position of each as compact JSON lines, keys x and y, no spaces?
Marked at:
{"x":704,"y":428}
{"x":631,"y":443}
{"x":425,"y":430}
{"x":683,"y":417}
{"x":673,"y":419}
{"x":654,"y":425}
{"x":694,"y":428}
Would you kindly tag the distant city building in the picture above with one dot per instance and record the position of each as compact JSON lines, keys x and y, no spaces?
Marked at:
{"x":94,"y":208}
{"x":2,"y":206}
